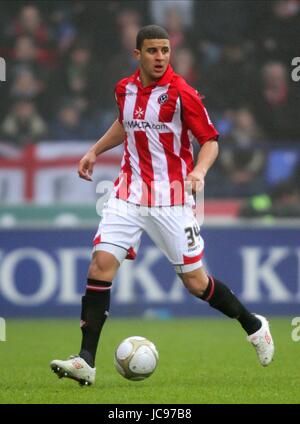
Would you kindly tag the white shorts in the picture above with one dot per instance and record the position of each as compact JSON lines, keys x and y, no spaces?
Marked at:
{"x":173,"y":229}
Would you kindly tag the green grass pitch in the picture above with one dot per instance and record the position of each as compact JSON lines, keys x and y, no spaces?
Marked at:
{"x":201,"y":361}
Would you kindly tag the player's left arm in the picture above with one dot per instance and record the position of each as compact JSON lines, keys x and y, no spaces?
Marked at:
{"x":206,"y":157}
{"x":196,"y":118}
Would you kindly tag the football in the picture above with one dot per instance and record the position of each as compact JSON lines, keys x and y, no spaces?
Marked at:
{"x":136,"y":358}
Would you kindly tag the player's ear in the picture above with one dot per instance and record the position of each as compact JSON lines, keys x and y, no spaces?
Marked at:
{"x":137,"y":54}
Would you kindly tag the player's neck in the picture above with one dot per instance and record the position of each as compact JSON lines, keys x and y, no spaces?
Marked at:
{"x":146,"y":80}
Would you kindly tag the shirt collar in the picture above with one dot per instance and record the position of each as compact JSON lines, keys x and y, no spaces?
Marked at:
{"x":164,"y":80}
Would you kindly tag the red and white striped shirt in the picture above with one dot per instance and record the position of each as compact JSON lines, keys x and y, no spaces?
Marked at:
{"x":159,"y":121}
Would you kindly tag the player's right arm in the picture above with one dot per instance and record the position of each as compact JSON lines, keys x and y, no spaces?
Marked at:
{"x":113,"y":137}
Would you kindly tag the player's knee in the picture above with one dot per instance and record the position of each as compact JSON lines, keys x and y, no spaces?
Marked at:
{"x":195,"y":282}
{"x":103,"y":266}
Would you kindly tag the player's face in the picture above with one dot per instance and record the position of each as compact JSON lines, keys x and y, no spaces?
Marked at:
{"x":154,"y":58}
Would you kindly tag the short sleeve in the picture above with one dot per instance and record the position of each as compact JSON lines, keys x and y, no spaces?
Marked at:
{"x":195,"y":116}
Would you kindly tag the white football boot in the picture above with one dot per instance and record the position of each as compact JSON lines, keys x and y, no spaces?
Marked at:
{"x":76,"y":368}
{"x":263,"y":342}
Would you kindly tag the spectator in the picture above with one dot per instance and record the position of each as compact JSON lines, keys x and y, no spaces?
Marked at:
{"x":231,"y":80}
{"x":70,"y":125}
{"x":280,"y":27}
{"x":276,"y":106}
{"x":30,"y":22}
{"x":127,"y":18}
{"x":124,"y":57}
{"x":184,"y":64}
{"x":242,"y":158}
{"x":222,"y":21}
{"x":26,"y":85}
{"x":175,"y":27}
{"x":160,"y":10}
{"x":80,"y":78}
{"x":283,"y":200}
{"x":25,"y":52}
{"x":23,"y":125}
{"x":238,"y":54}
{"x":64,"y":30}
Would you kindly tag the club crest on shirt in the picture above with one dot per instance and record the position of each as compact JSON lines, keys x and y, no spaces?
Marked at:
{"x":163,"y":98}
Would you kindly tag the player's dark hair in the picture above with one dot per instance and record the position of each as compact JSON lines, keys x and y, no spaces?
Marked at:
{"x":150,"y":32}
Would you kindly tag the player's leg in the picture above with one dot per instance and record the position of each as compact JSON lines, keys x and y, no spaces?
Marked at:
{"x":220,"y":297}
{"x":117,"y":238}
{"x":94,"y":311}
{"x":177,"y":233}
{"x":96,"y":302}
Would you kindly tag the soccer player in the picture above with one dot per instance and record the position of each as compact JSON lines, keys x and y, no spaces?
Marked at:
{"x":158,"y":111}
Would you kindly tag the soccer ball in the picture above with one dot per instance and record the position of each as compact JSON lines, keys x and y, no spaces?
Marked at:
{"x":136,"y":358}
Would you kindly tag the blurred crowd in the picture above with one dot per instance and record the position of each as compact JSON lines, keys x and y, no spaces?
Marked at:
{"x":64,"y":58}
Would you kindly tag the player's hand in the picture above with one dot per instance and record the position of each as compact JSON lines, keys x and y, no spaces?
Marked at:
{"x":86,"y":166}
{"x":195,"y":181}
